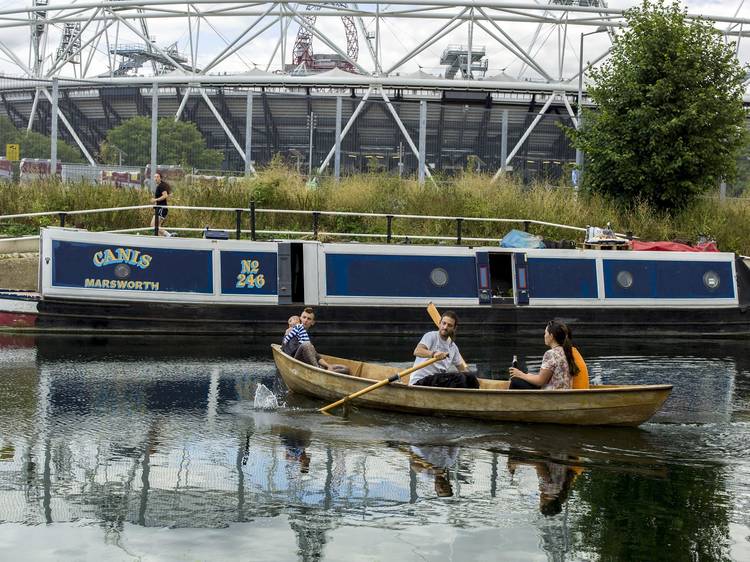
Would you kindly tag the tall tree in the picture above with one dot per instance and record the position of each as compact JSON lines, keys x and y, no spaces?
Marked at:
{"x":178,"y":142}
{"x":35,"y":145}
{"x":669,"y":122}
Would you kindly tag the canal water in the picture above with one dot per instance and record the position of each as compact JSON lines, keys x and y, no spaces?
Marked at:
{"x":151,"y":449}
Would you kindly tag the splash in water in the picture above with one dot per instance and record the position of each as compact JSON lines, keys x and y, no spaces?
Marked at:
{"x":264,"y":399}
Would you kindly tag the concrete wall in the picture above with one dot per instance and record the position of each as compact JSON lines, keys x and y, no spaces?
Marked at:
{"x":19,"y":271}
{"x":26,"y":244}
{"x":19,"y":263}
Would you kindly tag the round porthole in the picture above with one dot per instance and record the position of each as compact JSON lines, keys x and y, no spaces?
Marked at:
{"x":711,"y":280}
{"x":439,"y":277}
{"x":625,"y":279}
{"x":122,"y":271}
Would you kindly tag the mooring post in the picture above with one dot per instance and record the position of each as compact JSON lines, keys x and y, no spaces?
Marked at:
{"x":252,"y":221}
{"x":389,"y":228}
{"x":459,"y":222}
{"x":316,"y":217}
{"x":238,"y":223}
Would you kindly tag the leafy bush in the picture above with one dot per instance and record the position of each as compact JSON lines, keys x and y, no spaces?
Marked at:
{"x":669,"y":123}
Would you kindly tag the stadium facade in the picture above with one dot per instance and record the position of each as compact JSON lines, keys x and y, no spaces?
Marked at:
{"x":101,"y":64}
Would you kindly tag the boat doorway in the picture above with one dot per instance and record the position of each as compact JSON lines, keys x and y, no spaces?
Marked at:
{"x":291,"y":273}
{"x":298,"y":273}
{"x":501,"y":278}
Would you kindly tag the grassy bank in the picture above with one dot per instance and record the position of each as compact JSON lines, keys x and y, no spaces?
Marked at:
{"x":469,"y":195}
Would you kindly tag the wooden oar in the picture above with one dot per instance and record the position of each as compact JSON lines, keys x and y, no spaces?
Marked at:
{"x":434,"y":314}
{"x":392,"y":378}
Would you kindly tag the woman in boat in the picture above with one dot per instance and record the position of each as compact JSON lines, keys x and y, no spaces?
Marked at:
{"x":557,"y":364}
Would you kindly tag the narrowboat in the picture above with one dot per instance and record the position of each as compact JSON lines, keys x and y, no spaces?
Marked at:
{"x":125,"y":283}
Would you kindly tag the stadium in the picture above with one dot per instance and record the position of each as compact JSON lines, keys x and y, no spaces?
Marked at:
{"x":408,"y":87}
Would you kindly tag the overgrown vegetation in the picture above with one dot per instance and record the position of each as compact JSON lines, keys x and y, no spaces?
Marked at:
{"x":468,"y":195}
{"x":669,"y":123}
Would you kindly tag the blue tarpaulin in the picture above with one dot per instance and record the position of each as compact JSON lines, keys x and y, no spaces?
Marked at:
{"x":520,"y":239}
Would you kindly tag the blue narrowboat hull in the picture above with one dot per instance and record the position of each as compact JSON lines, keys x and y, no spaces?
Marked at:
{"x":97,"y":282}
{"x":262,"y":320}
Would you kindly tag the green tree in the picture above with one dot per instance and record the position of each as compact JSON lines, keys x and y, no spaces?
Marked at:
{"x":178,"y":143}
{"x":35,"y":145}
{"x":742,"y":181}
{"x":669,"y":122}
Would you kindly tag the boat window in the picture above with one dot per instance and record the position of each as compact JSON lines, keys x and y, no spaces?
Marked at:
{"x":439,"y":277}
{"x":711,"y":280}
{"x":625,"y":279}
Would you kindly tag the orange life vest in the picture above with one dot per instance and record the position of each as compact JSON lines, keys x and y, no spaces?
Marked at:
{"x":581,"y":379}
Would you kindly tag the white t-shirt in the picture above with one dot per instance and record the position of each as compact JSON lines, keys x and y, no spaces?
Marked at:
{"x":433,"y":342}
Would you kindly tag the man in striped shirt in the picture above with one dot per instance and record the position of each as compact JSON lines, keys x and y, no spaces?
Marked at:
{"x":297,"y":344}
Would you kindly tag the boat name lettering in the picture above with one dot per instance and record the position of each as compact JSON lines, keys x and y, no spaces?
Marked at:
{"x":122,"y":255}
{"x":249,"y":278}
{"x":122,"y":284}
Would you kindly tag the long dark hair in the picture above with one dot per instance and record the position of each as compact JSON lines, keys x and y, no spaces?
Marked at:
{"x":561,"y":334}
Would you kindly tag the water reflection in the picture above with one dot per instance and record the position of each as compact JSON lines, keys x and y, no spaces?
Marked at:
{"x":555,"y":479}
{"x":134,"y":443}
{"x":435,"y":461}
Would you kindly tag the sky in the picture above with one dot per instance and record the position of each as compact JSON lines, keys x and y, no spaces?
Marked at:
{"x":397,"y":38}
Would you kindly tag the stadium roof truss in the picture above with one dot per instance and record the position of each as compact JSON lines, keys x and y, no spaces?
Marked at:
{"x":79,"y":42}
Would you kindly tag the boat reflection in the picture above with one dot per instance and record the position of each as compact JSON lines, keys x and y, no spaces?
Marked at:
{"x":296,"y":441}
{"x":436,"y":461}
{"x":555,"y":479}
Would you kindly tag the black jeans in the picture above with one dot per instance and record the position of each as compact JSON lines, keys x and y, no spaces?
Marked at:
{"x":450,"y":380}
{"x":520,"y":384}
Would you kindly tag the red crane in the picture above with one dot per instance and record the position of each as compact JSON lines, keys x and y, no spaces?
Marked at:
{"x":303,"y":48}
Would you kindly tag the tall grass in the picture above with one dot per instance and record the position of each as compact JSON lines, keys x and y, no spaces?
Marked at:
{"x":467,"y":195}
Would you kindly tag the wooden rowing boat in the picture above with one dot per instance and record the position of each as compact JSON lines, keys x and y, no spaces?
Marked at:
{"x":629,"y":405}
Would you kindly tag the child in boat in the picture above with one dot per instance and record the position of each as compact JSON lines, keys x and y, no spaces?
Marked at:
{"x":291,"y":323}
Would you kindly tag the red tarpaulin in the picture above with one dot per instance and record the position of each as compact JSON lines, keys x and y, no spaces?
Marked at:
{"x":673,"y":246}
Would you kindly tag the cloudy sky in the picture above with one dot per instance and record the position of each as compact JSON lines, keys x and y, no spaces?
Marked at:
{"x":398,"y":37}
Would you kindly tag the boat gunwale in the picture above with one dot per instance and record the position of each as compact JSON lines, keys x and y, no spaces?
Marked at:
{"x":564,"y":391}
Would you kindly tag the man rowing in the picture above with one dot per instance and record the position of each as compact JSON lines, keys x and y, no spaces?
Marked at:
{"x":451,"y":370}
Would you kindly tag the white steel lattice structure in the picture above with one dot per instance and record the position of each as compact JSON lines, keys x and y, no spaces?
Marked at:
{"x":531,"y":58}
